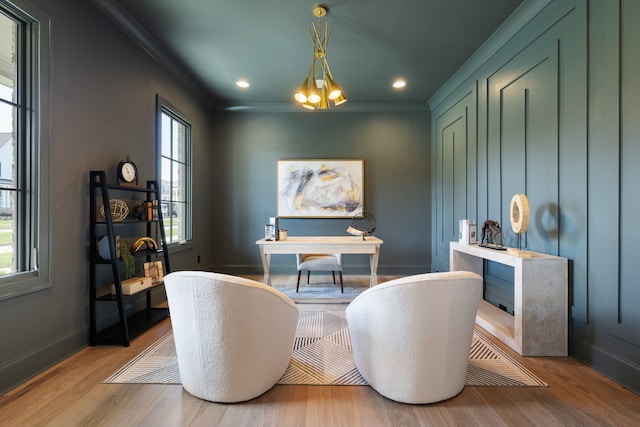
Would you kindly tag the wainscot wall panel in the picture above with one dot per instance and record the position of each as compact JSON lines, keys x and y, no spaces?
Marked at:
{"x":455,"y":151}
{"x":523,"y":145}
{"x":558,"y":120}
{"x":621,"y":312}
{"x":611,"y":339}
{"x":630,"y":172}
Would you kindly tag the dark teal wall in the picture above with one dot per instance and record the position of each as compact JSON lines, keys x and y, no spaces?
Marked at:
{"x":103,"y":94}
{"x":103,"y":90}
{"x":396,"y":153}
{"x":553,"y":113}
{"x":103,"y":97}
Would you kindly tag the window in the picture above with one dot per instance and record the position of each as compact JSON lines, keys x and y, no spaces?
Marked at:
{"x":175,"y":173}
{"x":23,"y":149}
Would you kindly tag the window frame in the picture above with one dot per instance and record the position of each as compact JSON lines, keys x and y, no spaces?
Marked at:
{"x":163,"y":106}
{"x":35,"y":136}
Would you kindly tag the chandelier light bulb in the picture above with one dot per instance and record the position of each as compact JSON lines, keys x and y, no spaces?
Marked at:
{"x":301,"y":94}
{"x":340,"y":100}
{"x":334,"y":89}
{"x":313,"y":98}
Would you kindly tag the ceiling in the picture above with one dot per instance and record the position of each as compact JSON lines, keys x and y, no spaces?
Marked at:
{"x":214,"y":43}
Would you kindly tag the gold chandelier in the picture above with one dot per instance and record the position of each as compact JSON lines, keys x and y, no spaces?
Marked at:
{"x":319,"y":88}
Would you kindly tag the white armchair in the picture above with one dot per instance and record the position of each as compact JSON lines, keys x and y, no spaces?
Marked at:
{"x":233,"y":336}
{"x":411,"y":337}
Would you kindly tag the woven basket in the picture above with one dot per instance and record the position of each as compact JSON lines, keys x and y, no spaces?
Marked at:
{"x":119,"y":210}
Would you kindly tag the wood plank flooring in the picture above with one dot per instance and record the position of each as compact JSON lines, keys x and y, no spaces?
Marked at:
{"x":72,"y":394}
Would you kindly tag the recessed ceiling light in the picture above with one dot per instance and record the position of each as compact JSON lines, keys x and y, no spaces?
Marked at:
{"x":399,"y":84}
{"x":242,"y":83}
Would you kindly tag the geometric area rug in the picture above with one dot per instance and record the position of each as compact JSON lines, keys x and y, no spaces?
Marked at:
{"x":322,"y":355}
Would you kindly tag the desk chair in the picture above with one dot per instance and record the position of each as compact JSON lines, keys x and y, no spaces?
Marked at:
{"x":319,"y":262}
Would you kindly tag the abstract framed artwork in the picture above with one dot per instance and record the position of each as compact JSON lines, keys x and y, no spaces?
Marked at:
{"x":320,"y":188}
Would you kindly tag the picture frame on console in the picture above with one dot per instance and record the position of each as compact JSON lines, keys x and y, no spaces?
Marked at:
{"x":320,"y":188}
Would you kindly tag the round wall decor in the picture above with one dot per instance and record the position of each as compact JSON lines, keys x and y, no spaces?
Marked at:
{"x":119,"y":210}
{"x":519,"y":212}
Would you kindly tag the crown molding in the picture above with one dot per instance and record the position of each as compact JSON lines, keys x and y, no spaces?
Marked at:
{"x":349,"y":107}
{"x":528,"y":10}
{"x":114,"y":11}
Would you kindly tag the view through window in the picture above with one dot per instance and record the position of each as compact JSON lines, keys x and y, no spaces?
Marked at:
{"x":15,"y":207}
{"x":9,"y":114}
{"x":23,"y":149}
{"x":175,"y":173}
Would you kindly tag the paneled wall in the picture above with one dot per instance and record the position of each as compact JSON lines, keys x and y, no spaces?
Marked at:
{"x":612,"y":324}
{"x":553,"y":113}
{"x":455,"y":173}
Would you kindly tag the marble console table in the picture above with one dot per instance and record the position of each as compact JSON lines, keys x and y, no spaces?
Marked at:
{"x":539,"y":326}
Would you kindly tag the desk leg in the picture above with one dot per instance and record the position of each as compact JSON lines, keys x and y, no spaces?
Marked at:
{"x":373,"y":262}
{"x":266,"y":265}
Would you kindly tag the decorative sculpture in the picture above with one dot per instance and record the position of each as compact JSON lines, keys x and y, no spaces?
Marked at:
{"x":362,"y":225}
{"x":492,"y":235}
{"x":519,"y":212}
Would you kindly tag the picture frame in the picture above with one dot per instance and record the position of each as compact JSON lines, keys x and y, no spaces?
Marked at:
{"x":154,"y":270}
{"x":320,"y":188}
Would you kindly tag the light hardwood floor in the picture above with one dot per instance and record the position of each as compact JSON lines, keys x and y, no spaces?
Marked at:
{"x":72,"y":394}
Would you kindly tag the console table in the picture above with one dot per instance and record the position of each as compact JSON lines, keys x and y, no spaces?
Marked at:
{"x":321,"y":245}
{"x":539,"y":326}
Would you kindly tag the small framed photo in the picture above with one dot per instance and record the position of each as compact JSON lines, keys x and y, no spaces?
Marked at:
{"x":154,"y":270}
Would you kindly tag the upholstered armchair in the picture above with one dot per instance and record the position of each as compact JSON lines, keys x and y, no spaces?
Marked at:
{"x":319,"y":262}
{"x":411,"y":337}
{"x":233,"y":336}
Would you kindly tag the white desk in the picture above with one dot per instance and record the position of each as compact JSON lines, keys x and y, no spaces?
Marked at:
{"x":539,"y":326}
{"x":321,"y":245}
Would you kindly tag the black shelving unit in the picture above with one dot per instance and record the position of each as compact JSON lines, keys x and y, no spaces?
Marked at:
{"x":127,"y":327}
